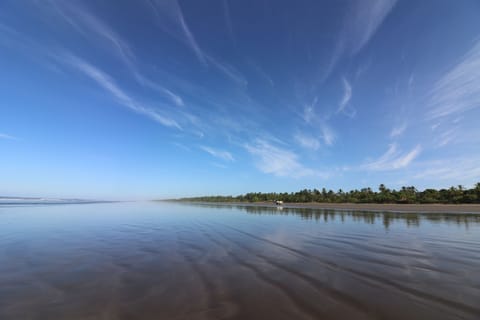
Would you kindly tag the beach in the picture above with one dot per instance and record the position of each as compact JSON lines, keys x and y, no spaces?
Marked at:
{"x":376,"y":207}
{"x":160,"y":260}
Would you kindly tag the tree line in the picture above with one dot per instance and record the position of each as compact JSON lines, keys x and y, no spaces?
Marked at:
{"x":454,"y":195}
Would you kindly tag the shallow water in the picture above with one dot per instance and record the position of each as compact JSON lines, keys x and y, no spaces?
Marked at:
{"x":176,"y":261}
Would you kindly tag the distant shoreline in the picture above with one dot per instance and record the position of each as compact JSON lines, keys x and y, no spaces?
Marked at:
{"x":377,"y":207}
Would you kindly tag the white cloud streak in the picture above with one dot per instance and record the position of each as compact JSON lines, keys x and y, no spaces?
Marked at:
{"x":446,"y":137}
{"x":460,"y":170}
{"x":360,"y":24}
{"x":7,"y":136}
{"x":108,"y":84}
{"x":309,"y":112}
{"x":393,"y":159}
{"x":218,"y":165}
{"x":228,"y":20}
{"x":90,"y":27}
{"x":328,"y":135}
{"x":344,"y":107}
{"x":170,"y":18}
{"x":279,"y":162}
{"x":307,"y":142}
{"x":228,"y":71}
{"x":398,"y":130}
{"x":173,"y":97}
{"x":220,"y":154}
{"x":363,"y":21}
{"x":347,"y":95}
{"x":459,"y":89}
{"x":311,"y":118}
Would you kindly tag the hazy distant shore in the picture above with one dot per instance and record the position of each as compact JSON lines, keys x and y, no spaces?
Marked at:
{"x":9,"y":200}
{"x":400,"y":208}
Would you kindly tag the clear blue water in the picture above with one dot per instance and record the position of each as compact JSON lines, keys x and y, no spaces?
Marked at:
{"x":178,"y":261}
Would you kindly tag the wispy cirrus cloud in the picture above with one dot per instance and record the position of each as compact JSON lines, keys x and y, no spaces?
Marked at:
{"x":91,"y":27}
{"x":228,"y":20}
{"x":175,"y":98}
{"x":220,"y":154}
{"x":398,"y":130}
{"x":87,"y":25}
{"x":446,"y":137}
{"x":347,"y":95}
{"x":108,"y":84}
{"x":218,"y":165}
{"x":343,"y":106}
{"x":459,"y":170}
{"x":228,"y":71}
{"x":360,"y":23}
{"x":458,"y":90}
{"x":278,"y":161}
{"x":170,"y":18}
{"x":25,"y":44}
{"x":307,"y":141}
{"x":363,"y":21}
{"x":318,"y":123}
{"x":309,"y":114}
{"x":393,"y":159}
{"x":328,"y":135}
{"x":264,"y":75}
{"x":7,"y":136}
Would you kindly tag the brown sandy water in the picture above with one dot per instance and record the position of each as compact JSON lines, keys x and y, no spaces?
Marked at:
{"x":174,"y":261}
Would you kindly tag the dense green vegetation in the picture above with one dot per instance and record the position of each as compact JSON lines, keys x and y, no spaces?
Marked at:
{"x":457,"y":194}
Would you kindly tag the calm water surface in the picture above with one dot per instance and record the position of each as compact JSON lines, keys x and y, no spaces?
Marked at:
{"x":174,"y":261}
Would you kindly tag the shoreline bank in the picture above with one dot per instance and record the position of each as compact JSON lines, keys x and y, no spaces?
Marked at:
{"x":376,"y":207}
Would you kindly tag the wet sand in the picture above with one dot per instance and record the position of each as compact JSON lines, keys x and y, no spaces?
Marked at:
{"x":168,"y":261}
{"x":375,"y":207}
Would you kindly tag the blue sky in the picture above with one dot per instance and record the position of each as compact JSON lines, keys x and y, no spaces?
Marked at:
{"x":143,"y":99}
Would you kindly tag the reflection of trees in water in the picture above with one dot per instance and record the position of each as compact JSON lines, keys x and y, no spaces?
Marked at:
{"x":370,"y":217}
